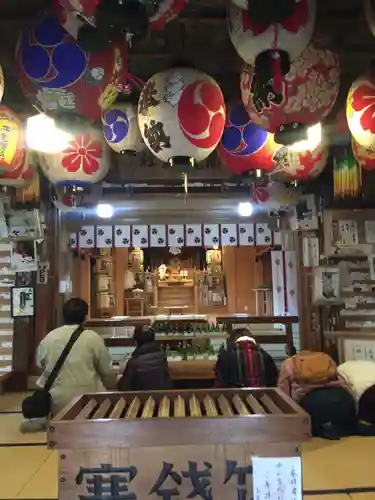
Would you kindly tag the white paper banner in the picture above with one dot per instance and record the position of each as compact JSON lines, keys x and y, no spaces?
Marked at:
{"x":193,"y":235}
{"x":278,"y":285}
{"x":246,"y":234}
{"x":211,"y":235}
{"x":104,"y":236}
{"x":73,"y":241}
{"x":122,"y":236}
{"x":87,"y":237}
{"x":291,"y":282}
{"x":140,"y":236}
{"x":229,"y":235}
{"x":158,"y":236}
{"x":263,"y":234}
{"x":176,"y":235}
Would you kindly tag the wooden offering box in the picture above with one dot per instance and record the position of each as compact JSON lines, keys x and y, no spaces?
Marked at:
{"x":209,"y":444}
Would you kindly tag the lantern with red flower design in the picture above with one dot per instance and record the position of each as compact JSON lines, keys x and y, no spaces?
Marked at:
{"x":274,"y":196}
{"x":181,"y":115}
{"x":360,"y":110}
{"x":244,"y":146}
{"x":302,"y":165}
{"x":59,"y":77}
{"x":365,"y":157}
{"x":84,"y":162}
{"x":307,"y":94}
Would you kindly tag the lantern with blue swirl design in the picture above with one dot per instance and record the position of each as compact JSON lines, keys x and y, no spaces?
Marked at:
{"x":57,"y":76}
{"x":245,"y":146}
{"x":121,"y":129}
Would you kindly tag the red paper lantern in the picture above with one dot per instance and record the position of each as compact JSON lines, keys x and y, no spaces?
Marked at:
{"x":360,"y":110}
{"x":20,"y":176}
{"x":365,"y":157}
{"x":307,"y":95}
{"x":244,"y":146}
{"x":57,"y":76}
{"x":12,"y":143}
{"x":302,"y":165}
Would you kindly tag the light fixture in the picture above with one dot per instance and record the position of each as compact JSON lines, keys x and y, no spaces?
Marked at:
{"x":44,"y":136}
{"x":314,"y":138}
{"x":104,"y":211}
{"x":245,"y":209}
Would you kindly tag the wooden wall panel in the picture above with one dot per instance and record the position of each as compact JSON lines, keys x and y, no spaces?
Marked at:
{"x":119,"y":268}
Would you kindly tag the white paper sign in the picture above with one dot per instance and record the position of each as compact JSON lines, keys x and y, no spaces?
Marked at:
{"x":277,"y":478}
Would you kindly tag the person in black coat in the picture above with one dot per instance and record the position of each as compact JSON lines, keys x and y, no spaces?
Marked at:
{"x":242,"y":363}
{"x":147,"y":369}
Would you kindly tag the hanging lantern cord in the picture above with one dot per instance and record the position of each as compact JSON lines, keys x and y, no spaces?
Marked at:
{"x":185,"y":177}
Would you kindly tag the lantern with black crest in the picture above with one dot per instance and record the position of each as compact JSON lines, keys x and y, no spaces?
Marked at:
{"x":268,"y":35}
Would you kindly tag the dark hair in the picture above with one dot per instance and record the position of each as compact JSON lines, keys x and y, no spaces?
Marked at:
{"x":143,"y":335}
{"x":239,"y":332}
{"x":75,"y":311}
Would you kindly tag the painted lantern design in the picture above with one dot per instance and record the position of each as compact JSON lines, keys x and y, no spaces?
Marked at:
{"x":365,"y":157}
{"x":308,"y":92}
{"x":121,"y":130}
{"x":12,"y":143}
{"x":20,"y":176}
{"x":1,"y":83}
{"x":163,"y":14}
{"x":58,"y":76}
{"x":302,"y":165}
{"x":181,"y":113}
{"x":360,"y":111}
{"x":86,"y":161}
{"x":252,"y":38}
{"x":244,"y":146}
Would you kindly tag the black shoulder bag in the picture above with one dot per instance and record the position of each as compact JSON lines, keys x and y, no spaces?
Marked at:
{"x":38,"y":405}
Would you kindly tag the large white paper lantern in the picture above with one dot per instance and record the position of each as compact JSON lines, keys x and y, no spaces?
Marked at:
{"x":291,"y":35}
{"x":181,"y":114}
{"x":360,"y":111}
{"x":121,"y":129}
{"x":86,"y":161}
{"x":302,"y":165}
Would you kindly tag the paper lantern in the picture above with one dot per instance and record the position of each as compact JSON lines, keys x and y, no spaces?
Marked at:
{"x":307,"y":95}
{"x":274,"y":196}
{"x":369,"y":8}
{"x":360,"y":109}
{"x":302,"y":165}
{"x":121,"y":130}
{"x":12,"y":144}
{"x":244,"y":146}
{"x":86,"y":161}
{"x":57,"y":76}
{"x":21,"y":176}
{"x":181,"y":115}
{"x":252,"y":38}
{"x":364,"y":156}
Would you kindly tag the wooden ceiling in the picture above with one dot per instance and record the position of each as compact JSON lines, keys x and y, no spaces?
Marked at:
{"x":199,"y":37}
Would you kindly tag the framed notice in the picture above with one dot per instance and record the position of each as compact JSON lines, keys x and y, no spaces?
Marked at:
{"x":326,"y":286}
{"x":22,"y":301}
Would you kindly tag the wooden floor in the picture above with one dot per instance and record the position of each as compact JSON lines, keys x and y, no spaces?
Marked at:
{"x":29,"y":471}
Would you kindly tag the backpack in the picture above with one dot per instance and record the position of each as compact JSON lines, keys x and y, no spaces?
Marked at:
{"x":314,"y":368}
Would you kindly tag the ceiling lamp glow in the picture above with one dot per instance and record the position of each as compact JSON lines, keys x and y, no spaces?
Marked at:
{"x":104,"y":211}
{"x":245,"y":209}
{"x":313,"y":140}
{"x":43,"y":135}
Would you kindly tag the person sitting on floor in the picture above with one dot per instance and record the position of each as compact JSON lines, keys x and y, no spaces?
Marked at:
{"x":311,"y":379}
{"x":147,"y":369}
{"x":359,"y":375}
{"x":242,"y":363}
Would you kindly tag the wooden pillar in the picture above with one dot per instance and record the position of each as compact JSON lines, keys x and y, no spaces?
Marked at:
{"x":120,"y":265}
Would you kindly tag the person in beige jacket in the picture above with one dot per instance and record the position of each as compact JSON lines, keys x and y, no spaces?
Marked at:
{"x":87,"y":368}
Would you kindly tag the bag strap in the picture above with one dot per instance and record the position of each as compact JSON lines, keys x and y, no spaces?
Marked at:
{"x":56,"y":369}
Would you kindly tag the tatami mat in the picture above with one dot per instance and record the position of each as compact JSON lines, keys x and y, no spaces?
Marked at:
{"x":12,"y":401}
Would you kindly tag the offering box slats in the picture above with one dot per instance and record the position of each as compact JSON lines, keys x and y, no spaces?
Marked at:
{"x":179,"y":418}
{"x":180,"y":444}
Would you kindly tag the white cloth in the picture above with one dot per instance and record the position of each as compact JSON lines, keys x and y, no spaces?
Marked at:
{"x":84,"y":370}
{"x":358,"y":375}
